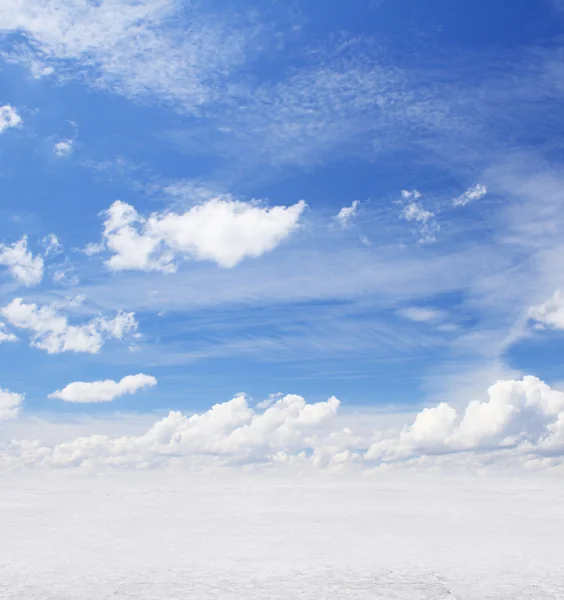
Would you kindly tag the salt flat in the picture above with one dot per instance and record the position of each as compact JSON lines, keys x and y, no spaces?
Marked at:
{"x":153,"y":537}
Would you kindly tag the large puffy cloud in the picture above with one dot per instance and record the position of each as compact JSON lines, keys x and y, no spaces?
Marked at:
{"x":21,"y":263}
{"x":522,"y":421}
{"x":52,"y":332}
{"x":523,"y":416}
{"x":221,"y":230}
{"x":10,"y":404}
{"x":549,"y":313}
{"x":103,"y":391}
{"x":9,"y":117}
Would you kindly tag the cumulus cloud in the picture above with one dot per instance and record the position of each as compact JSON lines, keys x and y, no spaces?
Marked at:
{"x":9,"y":117}
{"x":549,"y":313}
{"x":51,"y":331}
{"x":521,"y":420}
{"x":230,"y":433}
{"x":222,"y":230}
{"x":525,"y":416}
{"x":10,"y":404}
{"x":346,"y":213}
{"x":414,"y":211}
{"x":472,"y":193}
{"x":64,"y":147}
{"x":21,"y":263}
{"x":103,"y":391}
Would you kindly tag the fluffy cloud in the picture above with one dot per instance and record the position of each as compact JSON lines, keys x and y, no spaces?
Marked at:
{"x":523,"y":416}
{"x":52,"y":332}
{"x":9,"y":117}
{"x":473,"y":193}
{"x":522,"y":421}
{"x":103,"y":391}
{"x":21,"y":263}
{"x":221,"y":230}
{"x":414,"y":211}
{"x":228,"y":433}
{"x":549,"y":313}
{"x":347,"y":213}
{"x":10,"y":404}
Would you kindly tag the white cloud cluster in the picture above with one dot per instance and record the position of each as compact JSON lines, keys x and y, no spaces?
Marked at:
{"x":473,"y":193}
{"x":414,"y":211}
{"x":9,"y":117}
{"x":229,"y":433}
{"x":521,"y":419}
{"x":549,"y":313}
{"x":10,"y":404}
{"x":136,"y":49}
{"x":221,"y":230}
{"x":51,"y":331}
{"x":103,"y":391}
{"x":21,"y":263}
{"x":346,"y":213}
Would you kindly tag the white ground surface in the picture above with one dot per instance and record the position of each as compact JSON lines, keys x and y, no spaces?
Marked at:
{"x":149,"y":537}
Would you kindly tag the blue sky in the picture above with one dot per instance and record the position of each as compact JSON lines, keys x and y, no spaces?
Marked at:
{"x":233,"y":135}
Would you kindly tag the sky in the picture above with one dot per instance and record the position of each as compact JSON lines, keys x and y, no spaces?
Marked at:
{"x":290,"y":234}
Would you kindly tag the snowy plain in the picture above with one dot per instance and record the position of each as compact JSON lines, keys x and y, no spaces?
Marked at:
{"x":163,"y":536}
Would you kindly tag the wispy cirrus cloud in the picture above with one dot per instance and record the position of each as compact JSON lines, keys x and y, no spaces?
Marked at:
{"x":138,"y":49}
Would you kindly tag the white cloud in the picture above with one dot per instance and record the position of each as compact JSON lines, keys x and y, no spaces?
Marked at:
{"x":415,"y":313}
{"x":9,"y":117}
{"x":21,"y":263}
{"x":52,"y":332}
{"x":549,"y":313}
{"x":10,"y":404}
{"x":221,"y":230}
{"x":64,"y":147}
{"x":522,"y":421}
{"x":415,"y":212}
{"x":347,"y":213}
{"x":136,"y":49}
{"x":52,"y":245}
{"x":524,"y":416}
{"x":103,"y":391}
{"x":473,"y":193}
{"x":5,"y":336}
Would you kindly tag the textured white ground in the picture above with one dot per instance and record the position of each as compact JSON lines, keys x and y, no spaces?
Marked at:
{"x":152,"y":537}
